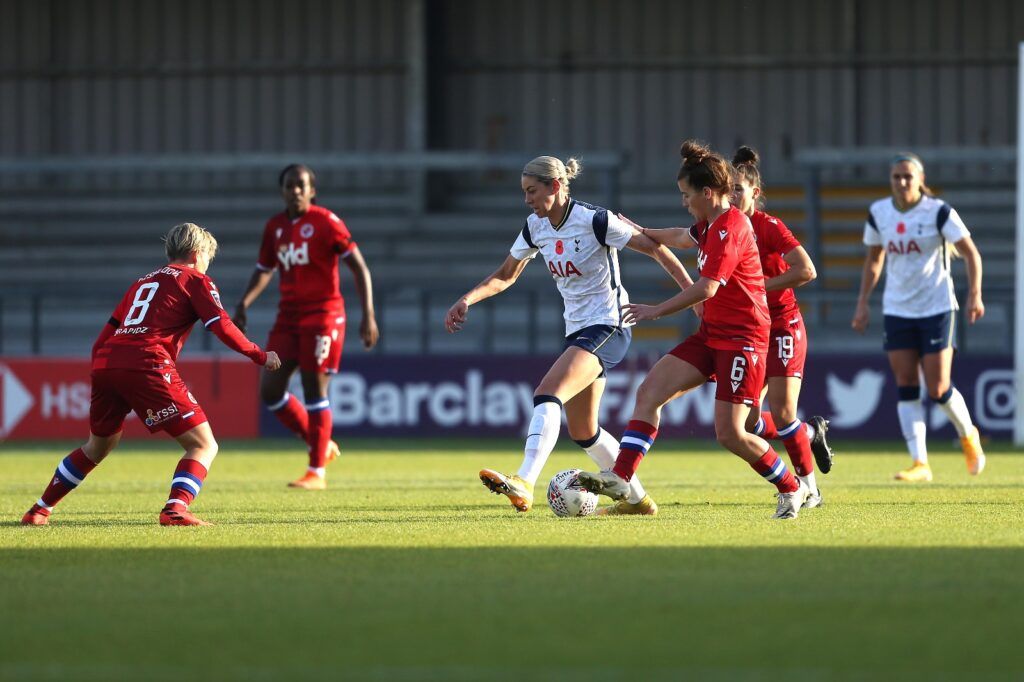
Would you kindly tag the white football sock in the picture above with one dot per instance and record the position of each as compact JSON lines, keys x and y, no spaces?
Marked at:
{"x":604,"y":453}
{"x":912,"y":424}
{"x":810,"y":431}
{"x":956,"y":409}
{"x":810,"y":482}
{"x":540,"y":441}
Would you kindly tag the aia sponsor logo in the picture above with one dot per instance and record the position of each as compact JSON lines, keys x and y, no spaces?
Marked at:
{"x":289,"y":255}
{"x":902,"y":248}
{"x":161,"y":415}
{"x":566,"y":269}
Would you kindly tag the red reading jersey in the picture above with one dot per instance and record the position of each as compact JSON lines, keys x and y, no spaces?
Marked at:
{"x":774,"y":241}
{"x":737,"y":315}
{"x":155,"y":317}
{"x":306,"y":250}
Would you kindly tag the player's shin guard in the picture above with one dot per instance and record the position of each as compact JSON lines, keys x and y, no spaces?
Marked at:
{"x":798,"y":445}
{"x":541,"y":437}
{"x":637,"y":439}
{"x":774,"y":470}
{"x":912,"y":424}
{"x":953,"y":404}
{"x":187,"y":482}
{"x":320,"y":425}
{"x":603,"y":449}
{"x":69,"y":474}
{"x":292,"y":413}
{"x":766,"y":427}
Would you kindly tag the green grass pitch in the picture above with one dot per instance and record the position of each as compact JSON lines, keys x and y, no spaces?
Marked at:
{"x":407,"y":569}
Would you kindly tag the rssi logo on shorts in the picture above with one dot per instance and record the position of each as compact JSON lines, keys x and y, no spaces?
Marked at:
{"x":161,"y":415}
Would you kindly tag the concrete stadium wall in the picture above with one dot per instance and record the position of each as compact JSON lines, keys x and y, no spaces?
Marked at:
{"x":126,"y":76}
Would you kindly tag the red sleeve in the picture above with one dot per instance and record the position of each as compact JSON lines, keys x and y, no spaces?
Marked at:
{"x":205,"y":299}
{"x":232,"y":337}
{"x":116,"y":318}
{"x":720,"y":254}
{"x":267,"y":260}
{"x":105,"y":333}
{"x":340,"y":235}
{"x":782,"y":239}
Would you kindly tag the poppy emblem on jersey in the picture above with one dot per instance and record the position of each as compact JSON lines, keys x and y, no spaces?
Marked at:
{"x":306,"y":231}
{"x":559,"y":249}
{"x":901,"y":228}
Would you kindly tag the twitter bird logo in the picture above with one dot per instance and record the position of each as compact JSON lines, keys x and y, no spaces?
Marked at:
{"x":854,"y":403}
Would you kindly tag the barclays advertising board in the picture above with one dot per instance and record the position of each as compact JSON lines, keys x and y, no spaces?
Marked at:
{"x":493,"y":395}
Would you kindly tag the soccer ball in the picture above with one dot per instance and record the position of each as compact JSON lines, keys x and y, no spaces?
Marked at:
{"x":567,"y":498}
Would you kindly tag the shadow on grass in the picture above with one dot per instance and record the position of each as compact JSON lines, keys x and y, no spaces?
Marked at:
{"x":509,"y":613}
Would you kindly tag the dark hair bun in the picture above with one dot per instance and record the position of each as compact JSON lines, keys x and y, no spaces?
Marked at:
{"x":693,"y":151}
{"x":747,"y":155}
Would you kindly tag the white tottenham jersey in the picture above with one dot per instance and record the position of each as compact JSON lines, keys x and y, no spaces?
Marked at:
{"x":917,"y":254}
{"x":582,"y":255}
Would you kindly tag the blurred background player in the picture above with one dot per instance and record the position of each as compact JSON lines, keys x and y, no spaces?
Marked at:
{"x":730,"y":346}
{"x":916,"y":235}
{"x":133,"y":368}
{"x":580,"y":244}
{"x":304,"y":242}
{"x":786,"y":266}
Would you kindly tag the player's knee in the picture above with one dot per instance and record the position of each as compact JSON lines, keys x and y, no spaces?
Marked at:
{"x":648,"y":398}
{"x":784,"y":415}
{"x":940,"y":392}
{"x":729,"y":438}
{"x":272,"y":396}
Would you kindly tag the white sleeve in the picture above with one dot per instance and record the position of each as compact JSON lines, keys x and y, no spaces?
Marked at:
{"x":521,"y":249}
{"x":954,"y":230}
{"x":619,"y":232}
{"x":872,"y":237}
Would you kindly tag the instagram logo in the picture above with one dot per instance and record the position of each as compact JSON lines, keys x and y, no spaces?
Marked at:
{"x":995,"y":400}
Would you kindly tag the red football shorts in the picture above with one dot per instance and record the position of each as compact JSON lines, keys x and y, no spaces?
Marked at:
{"x":160,"y":398}
{"x":787,"y":348}
{"x":742,"y":371}
{"x":312,"y":340}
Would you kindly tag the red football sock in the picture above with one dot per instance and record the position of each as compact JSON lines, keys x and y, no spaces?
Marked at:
{"x":320,"y":425}
{"x":292,"y":413}
{"x":636,"y":440}
{"x":768,"y":430}
{"x":774,"y":471}
{"x":798,"y":445}
{"x":187,"y":482}
{"x":70,"y":472}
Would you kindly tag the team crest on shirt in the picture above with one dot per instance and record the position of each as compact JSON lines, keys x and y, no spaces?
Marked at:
{"x":306,"y":231}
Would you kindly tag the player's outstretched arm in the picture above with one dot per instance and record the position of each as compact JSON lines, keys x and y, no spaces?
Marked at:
{"x":703,"y":289}
{"x":665,"y":258}
{"x":495,"y":283}
{"x":972,"y":263}
{"x":108,"y":330}
{"x":232,"y":337}
{"x":675,"y":237}
{"x":368,"y":331}
{"x":258,"y":281}
{"x":873,"y":262}
{"x":801,"y":271}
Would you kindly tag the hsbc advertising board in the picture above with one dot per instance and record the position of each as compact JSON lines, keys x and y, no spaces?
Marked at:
{"x":46,"y":398}
{"x":382,"y":396}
